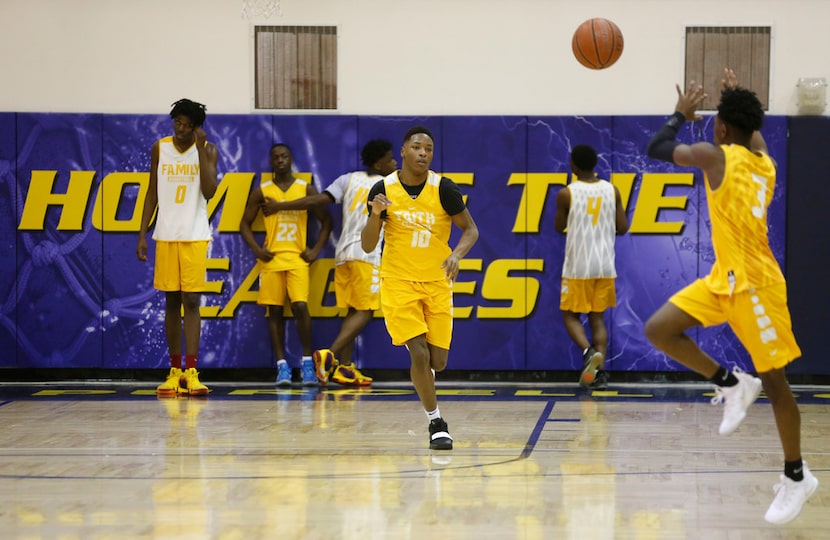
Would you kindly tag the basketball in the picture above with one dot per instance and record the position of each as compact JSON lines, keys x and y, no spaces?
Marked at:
{"x":597,"y":43}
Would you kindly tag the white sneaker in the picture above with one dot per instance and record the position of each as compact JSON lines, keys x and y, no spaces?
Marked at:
{"x":738,"y":398}
{"x":790,"y":497}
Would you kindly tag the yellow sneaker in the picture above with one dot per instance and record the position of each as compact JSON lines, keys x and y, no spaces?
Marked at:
{"x":191,"y":385}
{"x":349,"y":375}
{"x":170,"y":387}
{"x":324,"y":365}
{"x":362,"y":380}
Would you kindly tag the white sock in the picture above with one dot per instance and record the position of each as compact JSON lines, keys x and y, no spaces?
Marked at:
{"x":306,"y":359}
{"x":280,"y":362}
{"x":434,"y":414}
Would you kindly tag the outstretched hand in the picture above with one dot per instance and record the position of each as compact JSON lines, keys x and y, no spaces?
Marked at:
{"x":688,"y":103}
{"x":730,"y":81}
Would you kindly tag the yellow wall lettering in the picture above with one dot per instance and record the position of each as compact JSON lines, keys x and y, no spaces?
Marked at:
{"x":73,"y":203}
{"x":322,"y":283}
{"x":534,"y":195}
{"x":465,"y":287}
{"x":233,"y":190}
{"x":243,"y":294}
{"x":214,"y":287}
{"x":110,"y":197}
{"x":625,"y":183}
{"x":651,"y":201}
{"x":522,"y":292}
{"x":462,"y":179}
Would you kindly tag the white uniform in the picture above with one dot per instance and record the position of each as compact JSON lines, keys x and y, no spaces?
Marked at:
{"x":182,"y":213}
{"x":350,"y":191}
{"x":592,"y":229}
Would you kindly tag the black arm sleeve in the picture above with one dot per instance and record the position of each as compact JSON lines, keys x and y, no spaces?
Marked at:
{"x":451,"y":198}
{"x":662,"y":144}
{"x":379,"y":187}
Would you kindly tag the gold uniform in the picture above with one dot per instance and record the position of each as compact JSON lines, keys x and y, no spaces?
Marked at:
{"x":416,"y":295}
{"x":745,"y":287}
{"x":285,"y":237}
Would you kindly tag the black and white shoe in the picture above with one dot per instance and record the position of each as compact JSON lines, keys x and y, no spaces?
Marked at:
{"x":592,"y":360}
{"x":439,"y":435}
{"x":600,"y":381}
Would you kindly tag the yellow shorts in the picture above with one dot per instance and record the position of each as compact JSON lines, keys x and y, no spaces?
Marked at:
{"x":357,"y":285}
{"x":587,"y":295}
{"x":759,"y":317}
{"x":412,"y":308}
{"x":180,"y":266}
{"x":273,"y":287}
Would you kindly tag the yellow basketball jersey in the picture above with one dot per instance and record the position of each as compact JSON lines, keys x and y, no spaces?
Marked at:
{"x":416,"y":232}
{"x":738,"y":212}
{"x":286,"y":230}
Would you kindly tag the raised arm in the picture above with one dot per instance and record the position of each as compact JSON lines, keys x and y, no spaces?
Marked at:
{"x":378,"y":203}
{"x":664,"y":146}
{"x":208,"y":157}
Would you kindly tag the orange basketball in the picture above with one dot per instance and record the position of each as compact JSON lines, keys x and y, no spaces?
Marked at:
{"x":597,"y":43}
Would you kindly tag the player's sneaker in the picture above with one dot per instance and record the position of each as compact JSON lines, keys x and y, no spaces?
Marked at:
{"x":592,"y":360}
{"x":349,"y":375}
{"x":170,"y":386}
{"x":790,"y":497}
{"x":737,"y":400}
{"x":439,"y":435}
{"x":190,"y":384}
{"x":324,"y":364}
{"x":283,"y":374}
{"x":362,"y":380}
{"x":600,"y":380}
{"x":308,"y":373}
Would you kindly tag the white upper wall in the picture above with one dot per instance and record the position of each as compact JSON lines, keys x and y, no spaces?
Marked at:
{"x":429,"y":57}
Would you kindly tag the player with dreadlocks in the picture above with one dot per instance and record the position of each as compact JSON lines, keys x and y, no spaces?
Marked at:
{"x":182,"y":179}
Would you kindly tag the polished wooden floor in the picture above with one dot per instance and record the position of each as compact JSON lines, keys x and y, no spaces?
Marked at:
{"x":530,"y":462}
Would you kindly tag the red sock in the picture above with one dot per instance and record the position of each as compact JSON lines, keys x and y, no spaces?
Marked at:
{"x":176,"y":361}
{"x":189,"y":361}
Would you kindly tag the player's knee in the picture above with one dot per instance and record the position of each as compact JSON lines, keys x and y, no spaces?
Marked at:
{"x":655,"y":332}
{"x":191,"y":301}
{"x":419,"y":352}
{"x":438,"y":364}
{"x":300,"y":310}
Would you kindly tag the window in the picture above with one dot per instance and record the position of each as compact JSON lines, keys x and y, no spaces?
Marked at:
{"x":745,"y":49}
{"x":295,"y":67}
